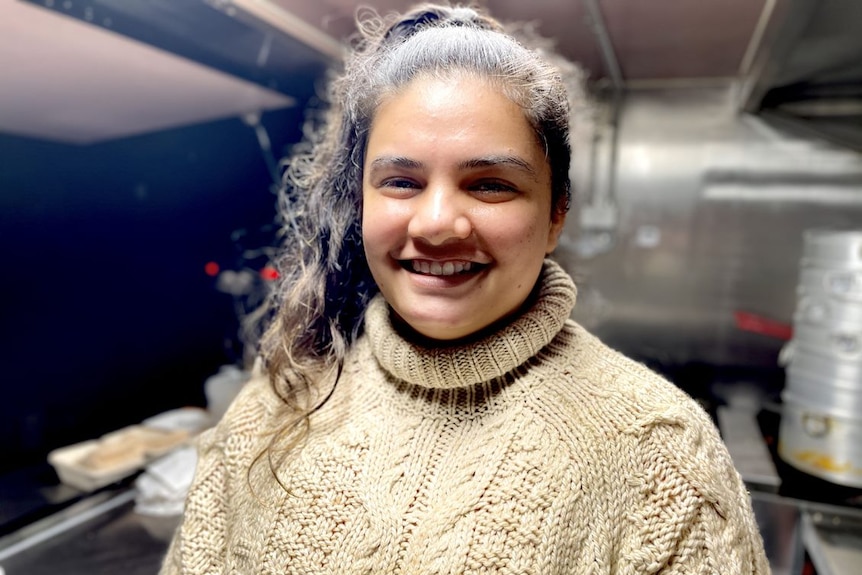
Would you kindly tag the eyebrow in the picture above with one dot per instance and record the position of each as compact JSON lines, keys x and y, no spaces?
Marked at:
{"x":505,"y":161}
{"x":395,"y":162}
{"x":471,"y":164}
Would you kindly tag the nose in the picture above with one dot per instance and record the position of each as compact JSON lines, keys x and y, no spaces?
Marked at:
{"x":440,"y":215}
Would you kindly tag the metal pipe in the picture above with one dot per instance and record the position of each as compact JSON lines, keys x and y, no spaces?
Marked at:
{"x":605,"y":45}
{"x":754,"y":45}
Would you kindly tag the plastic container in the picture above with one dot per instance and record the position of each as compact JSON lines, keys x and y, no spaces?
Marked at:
{"x":220,"y":389}
{"x":833,"y":396}
{"x":821,"y":309}
{"x":825,"y":368}
{"x":821,"y":444}
{"x":832,"y":248}
{"x":841,"y":284}
{"x":67,"y":463}
{"x":841,"y":342}
{"x":92,"y":464}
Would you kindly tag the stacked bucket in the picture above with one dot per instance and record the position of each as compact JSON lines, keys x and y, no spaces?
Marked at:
{"x":821,"y":423}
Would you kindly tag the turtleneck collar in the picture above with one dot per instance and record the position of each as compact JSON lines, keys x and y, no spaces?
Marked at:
{"x":450,"y":367}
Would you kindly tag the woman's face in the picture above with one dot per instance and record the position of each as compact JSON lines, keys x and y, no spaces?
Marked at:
{"x":456,"y":206}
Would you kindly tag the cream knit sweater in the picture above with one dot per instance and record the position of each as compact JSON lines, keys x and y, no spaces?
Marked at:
{"x":535,"y":450}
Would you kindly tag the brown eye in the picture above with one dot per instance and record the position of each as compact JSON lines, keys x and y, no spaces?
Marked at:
{"x":493,"y":190}
{"x":399,"y":183}
{"x":399,"y":187}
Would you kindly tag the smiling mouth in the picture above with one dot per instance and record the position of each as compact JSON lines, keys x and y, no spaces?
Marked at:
{"x":434,"y":268}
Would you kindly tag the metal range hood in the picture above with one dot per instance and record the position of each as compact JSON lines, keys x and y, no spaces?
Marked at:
{"x":805,"y":73}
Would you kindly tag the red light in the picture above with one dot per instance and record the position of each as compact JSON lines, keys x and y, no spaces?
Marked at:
{"x":211,"y":269}
{"x":269,"y":273}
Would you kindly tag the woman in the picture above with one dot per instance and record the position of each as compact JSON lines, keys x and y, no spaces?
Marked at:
{"x":457,"y":421}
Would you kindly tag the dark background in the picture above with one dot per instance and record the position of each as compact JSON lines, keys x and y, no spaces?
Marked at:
{"x":106,"y":314}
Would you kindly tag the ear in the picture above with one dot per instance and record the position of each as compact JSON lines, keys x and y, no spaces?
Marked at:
{"x":558,"y":220}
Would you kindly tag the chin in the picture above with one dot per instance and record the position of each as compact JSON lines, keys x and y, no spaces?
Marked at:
{"x":429,"y":331}
{"x":441,"y":332}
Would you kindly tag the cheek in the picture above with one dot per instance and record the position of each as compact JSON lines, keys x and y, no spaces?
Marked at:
{"x":383,"y":225}
{"x":514,"y":233}
{"x":368,"y":230}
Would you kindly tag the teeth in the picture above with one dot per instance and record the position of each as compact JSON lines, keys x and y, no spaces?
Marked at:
{"x":441,"y":269}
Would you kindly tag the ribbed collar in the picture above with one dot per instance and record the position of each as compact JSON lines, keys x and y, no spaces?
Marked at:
{"x":492,"y":356}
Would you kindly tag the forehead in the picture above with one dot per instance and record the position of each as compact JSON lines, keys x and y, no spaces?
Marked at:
{"x":450,"y":77}
{"x":454,"y":108}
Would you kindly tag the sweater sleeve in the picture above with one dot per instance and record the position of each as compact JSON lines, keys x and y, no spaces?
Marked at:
{"x":695,"y":515}
{"x":199,"y":543}
{"x":225,"y":453}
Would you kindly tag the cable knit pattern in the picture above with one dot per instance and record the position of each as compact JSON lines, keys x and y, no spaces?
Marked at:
{"x":537,"y":450}
{"x":491,"y":357}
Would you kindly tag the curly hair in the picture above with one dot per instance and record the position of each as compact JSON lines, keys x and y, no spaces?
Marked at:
{"x":325,"y":286}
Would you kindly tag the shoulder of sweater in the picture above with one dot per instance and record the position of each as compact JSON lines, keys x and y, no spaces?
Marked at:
{"x":639,"y":397}
{"x":636,"y":401}
{"x":250,"y":413}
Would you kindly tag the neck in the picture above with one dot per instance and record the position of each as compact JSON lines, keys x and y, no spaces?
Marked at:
{"x":488,"y":354}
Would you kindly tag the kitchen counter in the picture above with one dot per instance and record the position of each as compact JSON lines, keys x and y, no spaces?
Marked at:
{"x":829,"y":537}
{"x":100,"y":535}
{"x":834,"y":547}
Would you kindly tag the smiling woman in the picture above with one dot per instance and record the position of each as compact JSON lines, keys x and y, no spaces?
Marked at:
{"x":469,"y":192}
{"x":425,"y":404}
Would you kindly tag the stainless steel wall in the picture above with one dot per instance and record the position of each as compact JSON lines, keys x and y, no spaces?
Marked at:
{"x":693,"y":212}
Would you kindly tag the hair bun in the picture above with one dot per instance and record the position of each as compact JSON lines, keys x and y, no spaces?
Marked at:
{"x":430,"y":16}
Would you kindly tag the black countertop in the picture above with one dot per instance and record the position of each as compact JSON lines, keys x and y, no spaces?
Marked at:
{"x":98,"y":535}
